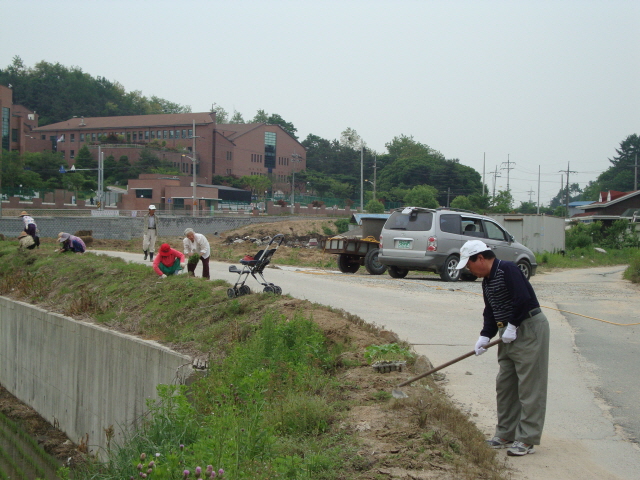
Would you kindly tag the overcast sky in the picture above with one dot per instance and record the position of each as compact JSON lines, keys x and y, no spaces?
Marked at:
{"x":541,"y":83}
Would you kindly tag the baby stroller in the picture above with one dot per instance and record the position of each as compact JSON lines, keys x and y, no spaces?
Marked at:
{"x":255,"y":265}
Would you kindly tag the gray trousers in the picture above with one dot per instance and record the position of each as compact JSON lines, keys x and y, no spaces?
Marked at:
{"x":521,"y":385}
{"x":149,"y":241}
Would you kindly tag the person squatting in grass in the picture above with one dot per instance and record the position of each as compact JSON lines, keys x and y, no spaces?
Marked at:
{"x":26,"y":241}
{"x":71,"y":243}
{"x":512,"y":311}
{"x":30,"y":227}
{"x":168,"y":261}
{"x":197,"y":243}
{"x":150,"y":233}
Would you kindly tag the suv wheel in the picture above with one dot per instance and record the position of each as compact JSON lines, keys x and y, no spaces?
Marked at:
{"x":371,"y":263}
{"x":397,"y":272}
{"x":346,"y":264}
{"x":525,"y":268}
{"x":449,"y":273}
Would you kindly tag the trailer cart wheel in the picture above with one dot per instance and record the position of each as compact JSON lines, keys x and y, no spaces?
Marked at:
{"x":371,"y":262}
{"x":348,"y":263}
{"x":231,"y":293}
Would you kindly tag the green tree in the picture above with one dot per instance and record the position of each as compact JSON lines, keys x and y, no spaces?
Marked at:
{"x":222,"y":116}
{"x":260,"y":117}
{"x":461,"y":202}
{"x":502,"y":202}
{"x":275,"y":119}
{"x":422,"y":196}
{"x":527,"y":207}
{"x":258,"y":184}
{"x":237,"y":117}
{"x":620,"y":175}
{"x":374,"y":206}
{"x":84,"y":158}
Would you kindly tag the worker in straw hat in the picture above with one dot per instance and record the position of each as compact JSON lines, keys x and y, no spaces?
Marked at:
{"x":150,"y":233}
{"x":30,"y":227}
{"x":26,"y":241}
{"x":71,"y":243}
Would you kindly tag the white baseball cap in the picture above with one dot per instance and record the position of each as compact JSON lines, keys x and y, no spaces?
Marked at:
{"x":469,"y":249}
{"x":152,"y":207}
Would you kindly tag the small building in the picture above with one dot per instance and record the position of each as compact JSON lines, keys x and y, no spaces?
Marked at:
{"x":611,"y":206}
{"x":539,"y":233}
{"x":17,"y":122}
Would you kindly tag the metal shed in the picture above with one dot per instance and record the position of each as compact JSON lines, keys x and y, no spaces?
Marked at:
{"x":538,"y":232}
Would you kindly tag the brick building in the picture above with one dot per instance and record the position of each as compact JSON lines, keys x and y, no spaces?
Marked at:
{"x":226,"y":149}
{"x":17,"y":122}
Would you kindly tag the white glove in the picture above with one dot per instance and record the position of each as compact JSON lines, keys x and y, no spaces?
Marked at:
{"x":480,"y":344}
{"x":509,"y":335}
{"x":163,"y":276}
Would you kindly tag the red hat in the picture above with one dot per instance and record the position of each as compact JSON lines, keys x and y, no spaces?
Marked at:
{"x":165,"y":248}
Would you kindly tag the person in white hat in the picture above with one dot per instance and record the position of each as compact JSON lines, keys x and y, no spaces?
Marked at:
{"x":150,"y":233}
{"x":512,"y":311}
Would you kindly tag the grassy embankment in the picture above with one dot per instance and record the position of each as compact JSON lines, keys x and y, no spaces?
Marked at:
{"x":279,"y":397}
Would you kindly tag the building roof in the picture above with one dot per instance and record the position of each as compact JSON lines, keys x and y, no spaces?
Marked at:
{"x":610,"y":198}
{"x":132,"y":121}
{"x":580,"y":203}
{"x":234,"y":130}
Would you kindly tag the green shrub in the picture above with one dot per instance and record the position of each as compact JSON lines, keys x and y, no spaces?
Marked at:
{"x":342,"y":225}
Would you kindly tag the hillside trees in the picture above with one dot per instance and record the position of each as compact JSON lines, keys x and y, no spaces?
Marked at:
{"x":58,"y":93}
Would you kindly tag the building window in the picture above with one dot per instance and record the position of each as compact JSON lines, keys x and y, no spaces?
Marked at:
{"x":184,"y":134}
{"x":159,"y":134}
{"x":165,"y":134}
{"x":135,"y":136}
{"x":93,"y":137}
{"x":153,"y":134}
{"x":170,"y":133}
{"x":72,"y":154}
{"x":14,"y":134}
{"x":190,"y":133}
{"x":72,"y":137}
{"x":144,"y":193}
{"x":146,"y":135}
{"x":140,"y":136}
{"x":82,"y":137}
{"x":6,"y":122}
{"x":269,"y":149}
{"x":43,"y":137}
{"x":229,"y":156}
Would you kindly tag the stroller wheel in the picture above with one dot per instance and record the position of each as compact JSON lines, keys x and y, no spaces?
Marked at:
{"x":278,"y":290}
{"x":269,"y":289}
{"x":244,"y":290}
{"x":231,"y":293}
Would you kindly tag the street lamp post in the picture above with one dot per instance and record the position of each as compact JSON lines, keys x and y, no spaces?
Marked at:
{"x":193,"y":159}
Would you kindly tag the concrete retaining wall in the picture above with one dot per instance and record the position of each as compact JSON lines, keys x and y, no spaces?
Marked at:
{"x":80,"y":376}
{"x":126,"y":228}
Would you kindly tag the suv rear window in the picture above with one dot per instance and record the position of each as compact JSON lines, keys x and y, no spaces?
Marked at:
{"x":414,"y":222}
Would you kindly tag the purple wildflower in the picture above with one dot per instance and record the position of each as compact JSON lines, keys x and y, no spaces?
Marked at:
{"x":221,"y":472}
{"x":186,"y":473}
{"x":198,"y":471}
{"x":152,"y":464}
{"x":139,"y":467}
{"x":143,"y":456}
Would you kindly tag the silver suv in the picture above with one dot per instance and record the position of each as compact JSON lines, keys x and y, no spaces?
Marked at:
{"x":424,"y":239}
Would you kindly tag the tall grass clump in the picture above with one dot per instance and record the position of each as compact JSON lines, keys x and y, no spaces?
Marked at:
{"x":269,"y":393}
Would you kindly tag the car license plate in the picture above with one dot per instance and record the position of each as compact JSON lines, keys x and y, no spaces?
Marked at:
{"x":406,"y":244}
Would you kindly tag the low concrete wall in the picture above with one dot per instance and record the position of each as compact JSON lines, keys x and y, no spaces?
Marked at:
{"x":78,"y":376}
{"x":126,"y":228}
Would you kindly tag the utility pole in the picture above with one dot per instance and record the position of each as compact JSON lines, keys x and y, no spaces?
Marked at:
{"x":538,"y":190}
{"x":295,"y":158}
{"x":567,"y":192}
{"x":508,"y":168}
{"x":362,"y":177}
{"x":484,"y":161}
{"x":530,"y":192}
{"x":448,"y":193}
{"x":635,"y":176}
{"x":495,"y":175}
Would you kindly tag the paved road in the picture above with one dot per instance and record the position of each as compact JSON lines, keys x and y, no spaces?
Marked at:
{"x":585,"y":435}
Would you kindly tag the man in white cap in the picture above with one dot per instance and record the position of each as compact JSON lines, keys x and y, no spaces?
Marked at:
{"x":150,"y":233}
{"x":512,"y":311}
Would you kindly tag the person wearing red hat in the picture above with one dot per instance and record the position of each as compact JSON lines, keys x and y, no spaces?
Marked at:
{"x":168,"y":261}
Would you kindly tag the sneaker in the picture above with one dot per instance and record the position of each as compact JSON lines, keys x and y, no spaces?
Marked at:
{"x":497,"y":442}
{"x":519,"y":449}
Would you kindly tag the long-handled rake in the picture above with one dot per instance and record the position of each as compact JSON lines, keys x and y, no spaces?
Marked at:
{"x":397,"y":393}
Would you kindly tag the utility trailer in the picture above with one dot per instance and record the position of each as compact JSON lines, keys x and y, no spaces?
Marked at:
{"x":354,"y":249}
